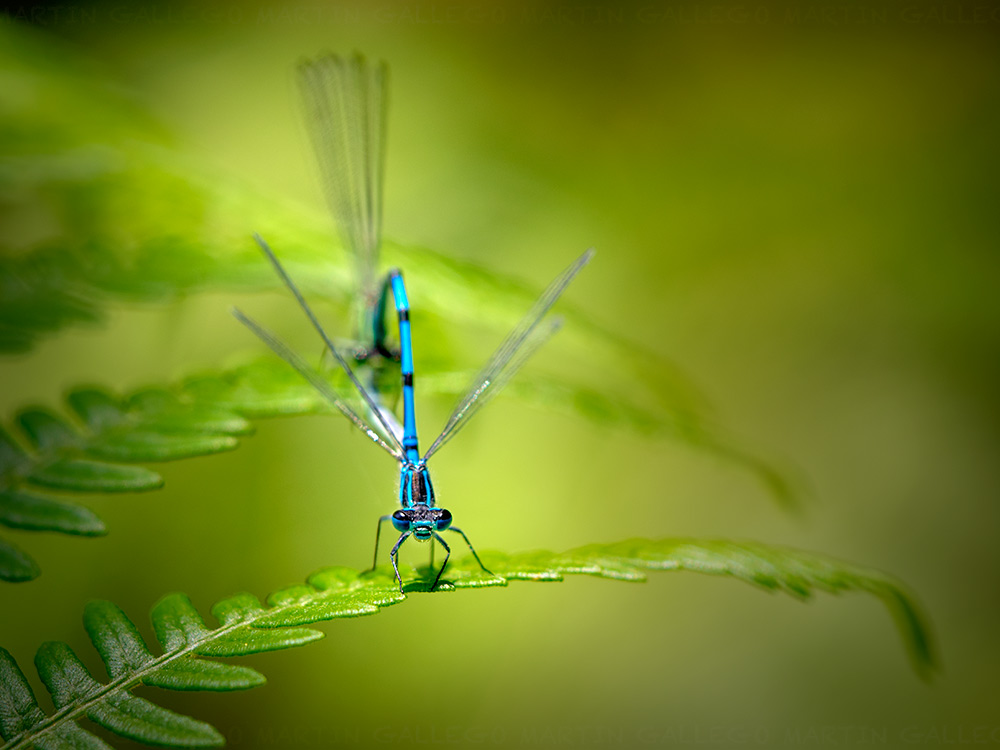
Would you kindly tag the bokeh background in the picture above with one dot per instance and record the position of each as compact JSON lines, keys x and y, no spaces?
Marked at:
{"x":797,"y":204}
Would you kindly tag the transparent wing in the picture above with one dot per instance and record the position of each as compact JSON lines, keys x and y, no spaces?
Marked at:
{"x":345,"y":106}
{"x":515,"y":350}
{"x":373,"y":405}
{"x":314,"y":378}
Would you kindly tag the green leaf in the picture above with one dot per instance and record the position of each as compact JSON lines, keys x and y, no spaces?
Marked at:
{"x":149,"y":425}
{"x":178,"y":625}
{"x":190,"y":674}
{"x":20,"y":510}
{"x":20,"y":714}
{"x":166,"y":414}
{"x":98,"y":410}
{"x":75,"y":691}
{"x":13,"y":460}
{"x":19,"y":711}
{"x":46,"y":431}
{"x":157,"y":446}
{"x":15,"y":565}
{"x":259,"y":389}
{"x":247,"y":627}
{"x":116,"y":639}
{"x":793,"y":572}
{"x":64,"y":675}
{"x":143,"y":721}
{"x":68,"y":735}
{"x":84,"y":475}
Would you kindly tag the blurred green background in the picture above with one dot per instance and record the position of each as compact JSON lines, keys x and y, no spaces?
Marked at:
{"x":796,"y":203}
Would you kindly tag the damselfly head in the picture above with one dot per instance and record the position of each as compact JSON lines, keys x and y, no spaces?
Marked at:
{"x":421,"y":521}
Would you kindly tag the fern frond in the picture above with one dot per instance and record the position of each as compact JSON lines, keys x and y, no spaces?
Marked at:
{"x":245,"y":627}
{"x":794,"y":572}
{"x":97,"y":456}
{"x":248,"y":627}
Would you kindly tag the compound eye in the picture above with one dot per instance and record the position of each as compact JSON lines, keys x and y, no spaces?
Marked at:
{"x":444,"y":520}
{"x":401,"y":520}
